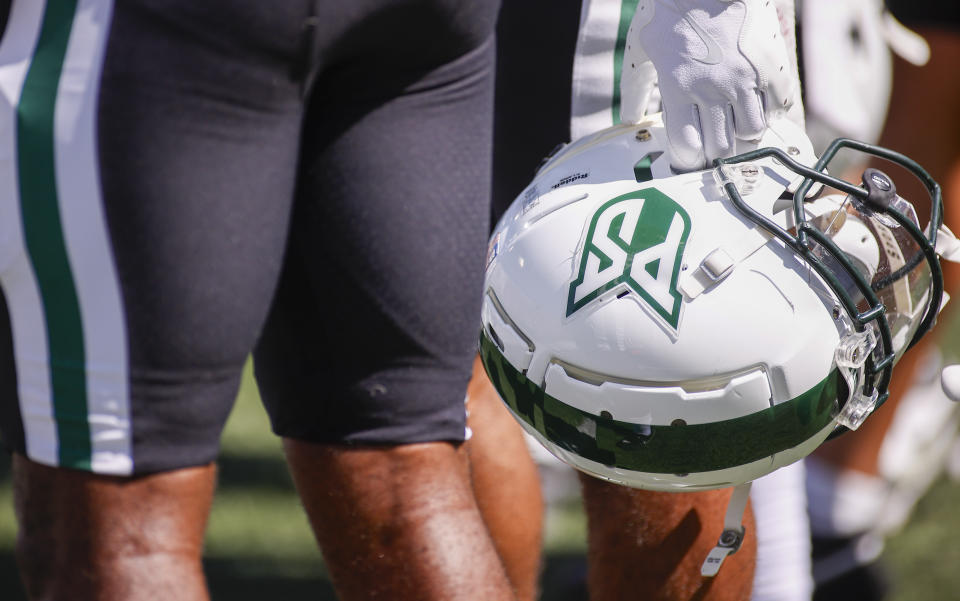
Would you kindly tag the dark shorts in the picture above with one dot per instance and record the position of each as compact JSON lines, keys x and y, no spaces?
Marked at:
{"x":186,"y":182}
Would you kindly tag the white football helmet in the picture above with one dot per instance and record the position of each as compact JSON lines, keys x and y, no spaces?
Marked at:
{"x":699,"y":330}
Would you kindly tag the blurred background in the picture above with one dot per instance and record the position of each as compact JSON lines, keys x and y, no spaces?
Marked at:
{"x":259,"y":544}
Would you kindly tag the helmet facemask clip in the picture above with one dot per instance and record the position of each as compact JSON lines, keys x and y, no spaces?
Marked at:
{"x":850,"y":357}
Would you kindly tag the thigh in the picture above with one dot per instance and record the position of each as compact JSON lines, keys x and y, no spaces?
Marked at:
{"x":145,"y":213}
{"x":374,"y":327}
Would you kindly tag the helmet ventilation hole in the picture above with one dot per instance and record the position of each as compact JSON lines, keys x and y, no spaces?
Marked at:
{"x":496,"y":339}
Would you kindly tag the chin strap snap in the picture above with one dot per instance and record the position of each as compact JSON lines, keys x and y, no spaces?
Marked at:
{"x":733,"y":531}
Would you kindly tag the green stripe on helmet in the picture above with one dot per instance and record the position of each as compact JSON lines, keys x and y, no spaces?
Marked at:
{"x":655,"y":449}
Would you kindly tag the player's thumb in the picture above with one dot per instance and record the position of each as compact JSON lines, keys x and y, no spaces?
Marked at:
{"x":637,"y":80}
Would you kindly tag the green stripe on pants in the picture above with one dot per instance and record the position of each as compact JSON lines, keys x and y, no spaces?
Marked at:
{"x":44,"y":235}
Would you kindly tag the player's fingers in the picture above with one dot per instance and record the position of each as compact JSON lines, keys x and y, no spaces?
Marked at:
{"x":716,"y":122}
{"x":779,"y":95}
{"x":684,"y":136}
{"x":637,"y":79}
{"x":635,"y":92}
{"x":748,"y":118}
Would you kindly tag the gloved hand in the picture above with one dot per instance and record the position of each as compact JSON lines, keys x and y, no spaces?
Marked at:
{"x":950,"y":381}
{"x":723,"y":69}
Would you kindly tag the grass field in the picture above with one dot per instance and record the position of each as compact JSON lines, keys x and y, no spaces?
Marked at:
{"x":259,"y":545}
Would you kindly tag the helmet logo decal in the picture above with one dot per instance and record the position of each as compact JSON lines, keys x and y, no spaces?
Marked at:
{"x":636,"y":239}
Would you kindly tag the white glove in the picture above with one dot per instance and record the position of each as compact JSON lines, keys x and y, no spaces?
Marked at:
{"x":950,"y":381}
{"x":723,"y":69}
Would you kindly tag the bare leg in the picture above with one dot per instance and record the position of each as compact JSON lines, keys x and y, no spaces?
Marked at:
{"x":398,"y":522}
{"x":506,"y":484}
{"x":84,"y":536}
{"x":650,"y":545}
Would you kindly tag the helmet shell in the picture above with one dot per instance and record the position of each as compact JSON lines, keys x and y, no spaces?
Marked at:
{"x":646,"y":332}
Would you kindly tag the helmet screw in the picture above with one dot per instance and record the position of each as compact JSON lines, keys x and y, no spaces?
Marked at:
{"x":678,"y":422}
{"x":836,"y":311}
{"x":643,"y":135}
{"x":606,"y":415}
{"x":728,"y":538}
{"x":793,"y":151}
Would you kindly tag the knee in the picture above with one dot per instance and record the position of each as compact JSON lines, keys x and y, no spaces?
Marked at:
{"x":35,"y":561}
{"x":80,"y":534}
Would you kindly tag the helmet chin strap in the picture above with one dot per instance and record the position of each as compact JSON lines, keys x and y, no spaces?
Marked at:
{"x":733,"y":531}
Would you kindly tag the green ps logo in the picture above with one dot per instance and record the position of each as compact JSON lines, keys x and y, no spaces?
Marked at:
{"x":635,"y":239}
